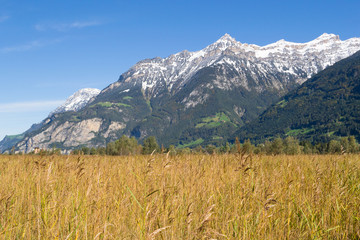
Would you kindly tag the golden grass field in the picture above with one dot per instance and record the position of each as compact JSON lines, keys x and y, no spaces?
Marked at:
{"x":180,"y":197}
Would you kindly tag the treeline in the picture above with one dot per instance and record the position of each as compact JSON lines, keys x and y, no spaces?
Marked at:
{"x":292,"y":146}
{"x":289,"y":145}
{"x":123,"y":146}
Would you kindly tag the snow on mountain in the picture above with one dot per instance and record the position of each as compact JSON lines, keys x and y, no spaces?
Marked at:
{"x":238,"y":78}
{"x":296,"y":60}
{"x":77,"y":101}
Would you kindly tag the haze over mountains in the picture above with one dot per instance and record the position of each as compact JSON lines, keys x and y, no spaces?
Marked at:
{"x":190,"y":98}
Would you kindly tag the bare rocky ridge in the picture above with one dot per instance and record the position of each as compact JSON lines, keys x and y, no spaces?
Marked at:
{"x":68,"y":134}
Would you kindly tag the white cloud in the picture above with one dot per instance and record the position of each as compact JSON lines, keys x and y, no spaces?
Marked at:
{"x":29,"y":46}
{"x":17,"y":107}
{"x":3,"y":18}
{"x":63,"y":27}
{"x":21,"y":48}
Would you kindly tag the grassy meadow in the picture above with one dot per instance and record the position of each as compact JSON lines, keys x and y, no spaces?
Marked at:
{"x":180,"y":197}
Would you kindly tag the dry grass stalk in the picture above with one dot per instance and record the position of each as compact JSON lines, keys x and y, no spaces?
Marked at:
{"x":180,"y":197}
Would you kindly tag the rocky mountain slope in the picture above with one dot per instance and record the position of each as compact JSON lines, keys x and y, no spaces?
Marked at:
{"x":193,"y":97}
{"x":324,"y":107}
{"x":74,"y":103}
{"x":9,"y":141}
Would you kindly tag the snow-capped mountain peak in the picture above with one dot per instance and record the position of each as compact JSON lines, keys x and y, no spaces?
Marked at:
{"x":297,"y":60}
{"x":77,"y":101}
{"x":223,"y":43}
{"x":227,"y":39}
{"x":327,"y":36}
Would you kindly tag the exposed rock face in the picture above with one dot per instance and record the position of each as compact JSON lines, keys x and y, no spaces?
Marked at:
{"x":74,"y":103}
{"x":239,"y":111}
{"x":114,"y":127}
{"x":66,"y":134}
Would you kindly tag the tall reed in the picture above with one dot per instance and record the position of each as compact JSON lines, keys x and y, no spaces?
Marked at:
{"x":180,"y":197}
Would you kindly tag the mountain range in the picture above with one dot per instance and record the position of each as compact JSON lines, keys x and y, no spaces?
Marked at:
{"x":191,"y":98}
{"x":325,"y":106}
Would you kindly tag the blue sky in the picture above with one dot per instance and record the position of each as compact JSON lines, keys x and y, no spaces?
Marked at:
{"x":50,"y":49}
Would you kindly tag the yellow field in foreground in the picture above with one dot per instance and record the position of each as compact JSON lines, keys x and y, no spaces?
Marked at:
{"x":180,"y":197}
